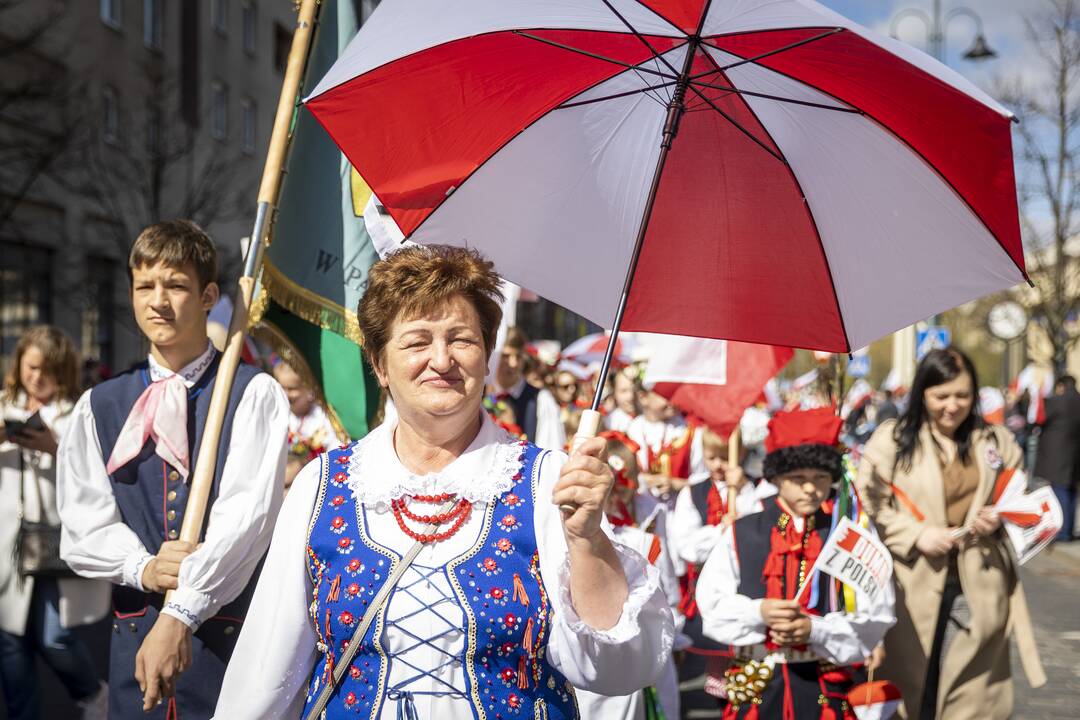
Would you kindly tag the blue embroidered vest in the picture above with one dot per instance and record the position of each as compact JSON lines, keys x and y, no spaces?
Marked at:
{"x":497,"y":585}
{"x":150,"y":495}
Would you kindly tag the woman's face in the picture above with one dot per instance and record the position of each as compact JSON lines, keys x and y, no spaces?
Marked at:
{"x":949,"y":404}
{"x":434,"y":365}
{"x":39,"y":383}
{"x":566,"y":388}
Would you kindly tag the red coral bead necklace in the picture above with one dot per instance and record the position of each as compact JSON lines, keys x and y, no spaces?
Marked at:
{"x":458,"y":514}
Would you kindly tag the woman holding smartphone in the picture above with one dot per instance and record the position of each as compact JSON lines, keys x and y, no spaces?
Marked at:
{"x":37,"y":612}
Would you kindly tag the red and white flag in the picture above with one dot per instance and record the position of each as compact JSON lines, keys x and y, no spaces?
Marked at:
{"x":1031,"y":519}
{"x":714,"y":381}
{"x":1039,"y":382}
{"x":878,"y":700}
{"x":859,"y":393}
{"x":992,"y":404}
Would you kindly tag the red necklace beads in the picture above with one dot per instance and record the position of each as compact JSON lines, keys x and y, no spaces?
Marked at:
{"x":459,"y":514}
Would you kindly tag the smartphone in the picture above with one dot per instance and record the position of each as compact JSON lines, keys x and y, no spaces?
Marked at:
{"x":19,"y":427}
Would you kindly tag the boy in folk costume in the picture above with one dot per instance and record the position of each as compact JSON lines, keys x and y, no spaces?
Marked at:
{"x":124,"y":476}
{"x":535,"y":410}
{"x":701,"y":514}
{"x":670,"y":448}
{"x":702,"y":510}
{"x":637,"y":522}
{"x":793,"y":653}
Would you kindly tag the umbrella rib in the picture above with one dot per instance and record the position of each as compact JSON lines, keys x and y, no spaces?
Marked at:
{"x":767,"y":96}
{"x":777,"y":51}
{"x":586,"y":53}
{"x":615,"y":96}
{"x":735,"y":122}
{"x":642,"y":38}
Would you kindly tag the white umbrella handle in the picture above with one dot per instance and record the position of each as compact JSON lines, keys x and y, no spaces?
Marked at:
{"x":587,"y":429}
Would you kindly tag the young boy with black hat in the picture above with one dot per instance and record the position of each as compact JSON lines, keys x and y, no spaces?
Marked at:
{"x":792,"y":651}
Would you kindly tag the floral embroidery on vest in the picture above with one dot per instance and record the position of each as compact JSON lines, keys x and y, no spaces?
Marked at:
{"x":496,"y":583}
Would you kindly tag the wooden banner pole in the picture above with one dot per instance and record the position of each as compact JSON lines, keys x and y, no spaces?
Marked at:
{"x":202,"y":479}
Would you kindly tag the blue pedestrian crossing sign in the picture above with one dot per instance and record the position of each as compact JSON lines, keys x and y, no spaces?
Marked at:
{"x":933,"y":337}
{"x":858,"y":366}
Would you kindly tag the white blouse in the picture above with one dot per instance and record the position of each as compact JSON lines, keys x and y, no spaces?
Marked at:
{"x":734,"y":619}
{"x":276,"y":651}
{"x":96,"y":542}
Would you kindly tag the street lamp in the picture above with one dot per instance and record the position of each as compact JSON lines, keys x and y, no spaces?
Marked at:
{"x":935,"y":30}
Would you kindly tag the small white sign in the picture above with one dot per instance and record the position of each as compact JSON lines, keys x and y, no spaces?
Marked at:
{"x":854,"y":556}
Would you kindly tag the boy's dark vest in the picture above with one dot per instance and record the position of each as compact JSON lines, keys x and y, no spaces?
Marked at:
{"x":817,"y":689}
{"x":151,"y":497}
{"x":525,"y":410}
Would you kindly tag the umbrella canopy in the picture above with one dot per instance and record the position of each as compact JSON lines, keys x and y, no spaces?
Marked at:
{"x":796,"y":179}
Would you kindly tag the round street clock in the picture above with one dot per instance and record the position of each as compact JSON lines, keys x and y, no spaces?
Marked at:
{"x":1007,"y":320}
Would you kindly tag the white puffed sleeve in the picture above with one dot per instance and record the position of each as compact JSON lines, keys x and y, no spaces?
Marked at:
{"x":727,"y":616}
{"x":94,"y":540}
{"x":275,"y":652}
{"x":242,"y":517}
{"x":624,"y":658}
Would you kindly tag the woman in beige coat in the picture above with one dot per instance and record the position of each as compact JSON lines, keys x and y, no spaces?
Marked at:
{"x":926,"y":479}
{"x":36,"y":613}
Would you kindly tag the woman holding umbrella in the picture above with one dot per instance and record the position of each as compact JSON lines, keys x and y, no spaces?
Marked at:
{"x":926,"y":480}
{"x":438,"y":567}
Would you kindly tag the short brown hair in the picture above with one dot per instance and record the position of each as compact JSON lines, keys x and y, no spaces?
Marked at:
{"x":711,"y":441}
{"x":416,"y":279}
{"x":61,"y":362}
{"x":175,"y":243}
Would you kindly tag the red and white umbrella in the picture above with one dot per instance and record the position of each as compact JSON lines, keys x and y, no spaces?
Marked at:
{"x":590,"y":349}
{"x":783,"y":175}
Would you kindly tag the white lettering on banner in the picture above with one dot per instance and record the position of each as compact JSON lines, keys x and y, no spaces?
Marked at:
{"x":854,"y":556}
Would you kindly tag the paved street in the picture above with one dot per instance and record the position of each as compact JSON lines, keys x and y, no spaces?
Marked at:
{"x":1052,"y":582}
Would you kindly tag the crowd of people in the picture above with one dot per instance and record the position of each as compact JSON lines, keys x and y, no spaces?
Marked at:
{"x":468,"y":558}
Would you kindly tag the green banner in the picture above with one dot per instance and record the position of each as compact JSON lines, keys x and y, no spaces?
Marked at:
{"x":315,"y":270}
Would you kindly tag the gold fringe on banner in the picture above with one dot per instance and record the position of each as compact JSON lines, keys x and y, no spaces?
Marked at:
{"x":259,"y":305}
{"x":273,"y":336}
{"x":310,"y":306}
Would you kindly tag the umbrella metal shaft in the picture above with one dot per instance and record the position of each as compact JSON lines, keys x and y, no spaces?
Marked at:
{"x":671,"y":128}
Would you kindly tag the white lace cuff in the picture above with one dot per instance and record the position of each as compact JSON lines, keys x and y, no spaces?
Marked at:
{"x":643,"y":581}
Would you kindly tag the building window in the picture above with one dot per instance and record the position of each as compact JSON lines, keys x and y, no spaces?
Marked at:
{"x":25,"y":292}
{"x":99,"y":311}
{"x":219,"y":110}
{"x":282,"y":45}
{"x":153,"y":130}
{"x":247,"y":109}
{"x":219,"y":16}
{"x":152,"y":24}
{"x":249,"y":27}
{"x":112,"y":12}
{"x":110,"y":115}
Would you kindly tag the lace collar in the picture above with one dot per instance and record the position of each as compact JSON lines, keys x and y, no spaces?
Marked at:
{"x":483,"y":472}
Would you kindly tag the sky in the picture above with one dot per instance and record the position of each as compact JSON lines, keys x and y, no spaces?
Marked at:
{"x":1003,"y":25}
